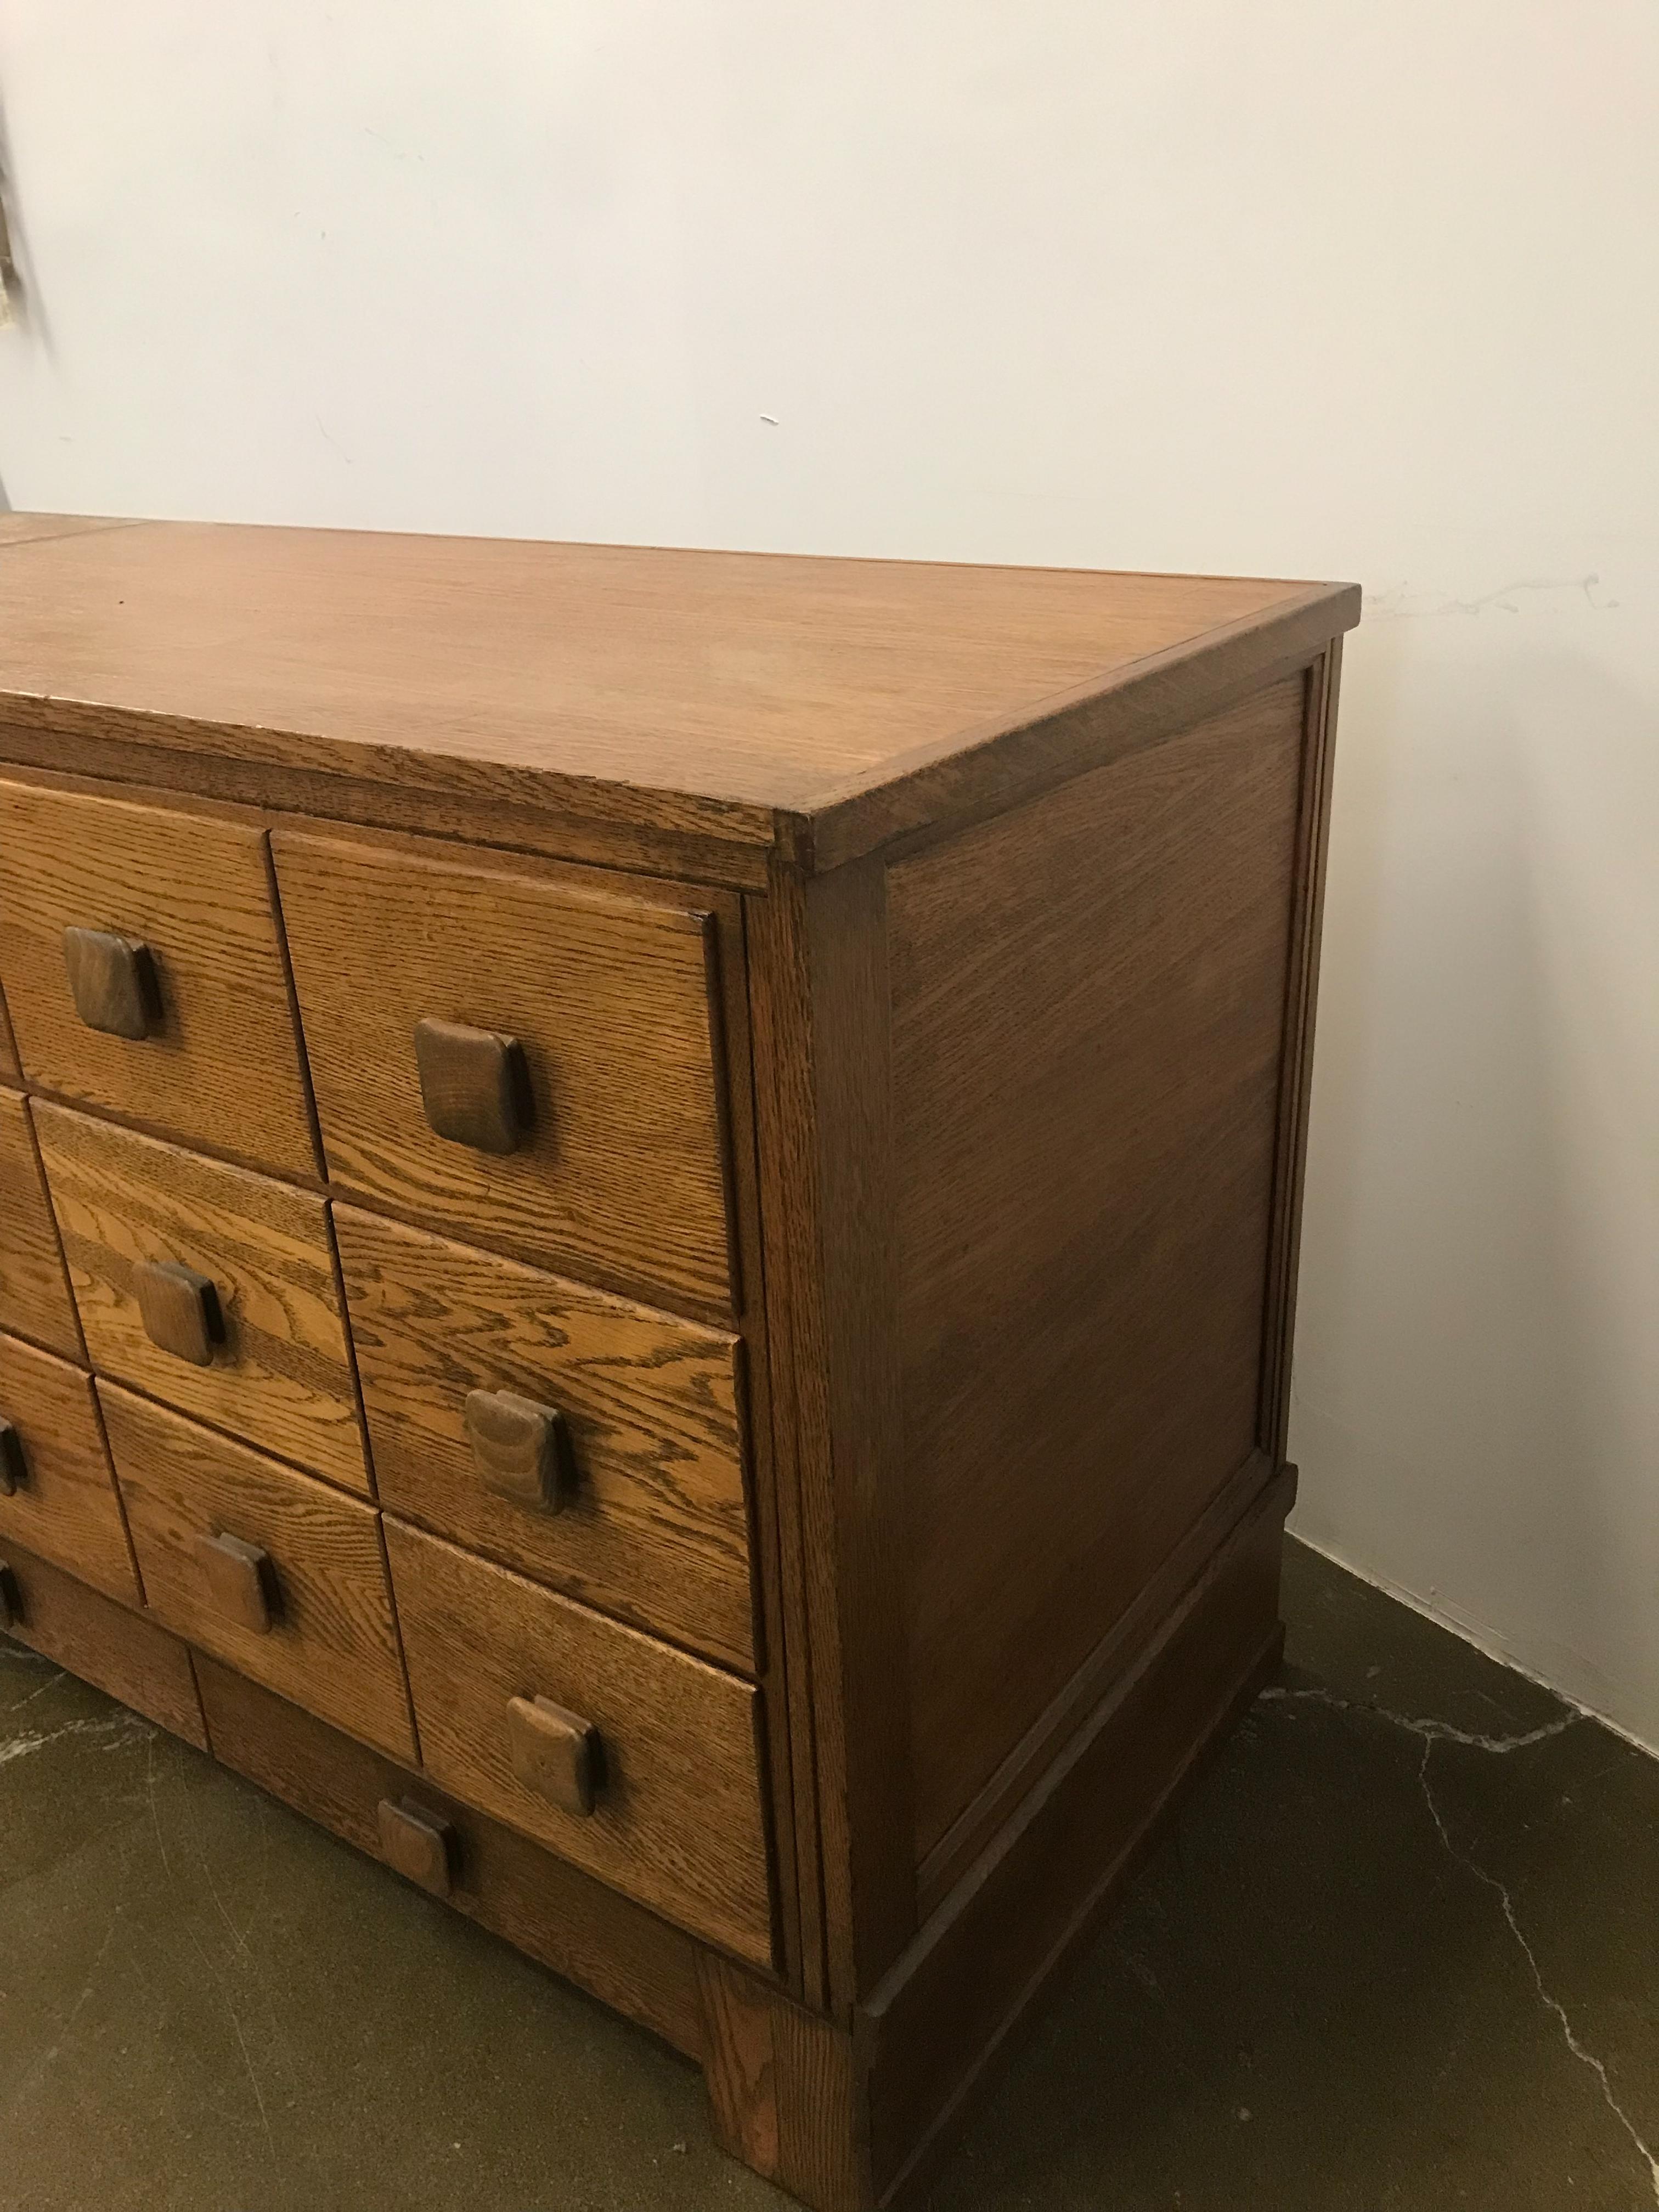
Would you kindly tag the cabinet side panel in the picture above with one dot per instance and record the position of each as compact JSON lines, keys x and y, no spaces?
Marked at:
{"x":1088,"y":998}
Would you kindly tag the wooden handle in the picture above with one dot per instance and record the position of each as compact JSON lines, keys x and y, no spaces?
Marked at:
{"x":240,"y":1580}
{"x":13,"y":1463}
{"x":180,"y":1309}
{"x":521,"y":1448}
{"x":420,"y":1845}
{"x":114,"y":983}
{"x":554,"y":1753}
{"x":475,"y":1085}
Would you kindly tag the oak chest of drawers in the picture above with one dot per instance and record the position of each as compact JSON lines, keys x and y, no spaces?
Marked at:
{"x":650,"y":1207}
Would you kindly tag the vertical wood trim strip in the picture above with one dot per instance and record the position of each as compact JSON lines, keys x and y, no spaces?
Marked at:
{"x":771,"y":1038}
{"x":730,"y":983}
{"x":830,"y":1221}
{"x":1313,"y":838}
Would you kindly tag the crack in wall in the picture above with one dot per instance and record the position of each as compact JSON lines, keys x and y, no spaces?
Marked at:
{"x":1429,"y":1733}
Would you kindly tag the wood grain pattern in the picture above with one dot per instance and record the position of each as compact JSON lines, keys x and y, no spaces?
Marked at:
{"x":786,"y":2091}
{"x":709,"y":694}
{"x":223,"y":1067}
{"x":9,"y":1065}
{"x":678,"y":1823}
{"x":124,"y":1653}
{"x":614,"y":1948}
{"x":819,"y":961}
{"x":951,"y":2004}
{"x":65,"y":1508}
{"x":1088,"y":1005}
{"x":653,"y":1525}
{"x":333,"y":1645}
{"x":34,"y":1291}
{"x":624,"y":1172}
{"x":282,"y":1376}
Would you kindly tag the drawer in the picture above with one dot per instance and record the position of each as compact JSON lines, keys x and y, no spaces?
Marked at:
{"x":518,"y":1690}
{"x":34,"y":1291}
{"x":629,"y":1497}
{"x":61,"y":1500}
{"x":242,"y":1326}
{"x":622,"y":1954}
{"x":271,"y":1571}
{"x":193,"y":1030}
{"x":121,"y":1652}
{"x":568,"y":1110}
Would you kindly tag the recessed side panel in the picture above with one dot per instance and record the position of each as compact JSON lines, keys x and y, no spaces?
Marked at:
{"x":1089,"y":1000}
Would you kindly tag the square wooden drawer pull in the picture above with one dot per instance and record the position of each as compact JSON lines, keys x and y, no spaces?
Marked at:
{"x":180,"y":1309}
{"x":554,"y":1753}
{"x":14,"y":1465}
{"x":114,"y":983}
{"x":11,"y":1606}
{"x":475,"y":1085}
{"x":419,"y":1844}
{"x":521,"y":1449}
{"x":241,"y":1581}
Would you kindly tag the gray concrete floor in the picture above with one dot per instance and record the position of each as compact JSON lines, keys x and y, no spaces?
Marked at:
{"x":1401,"y":1953}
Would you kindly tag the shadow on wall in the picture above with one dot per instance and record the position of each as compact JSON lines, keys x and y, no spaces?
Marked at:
{"x":1477,"y":1410}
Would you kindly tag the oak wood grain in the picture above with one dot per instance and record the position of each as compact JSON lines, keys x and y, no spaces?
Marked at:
{"x":951,"y":2004}
{"x":333,"y":1645}
{"x":65,"y":1506}
{"x":624,"y":1955}
{"x":34,"y":1291}
{"x":704,"y":691}
{"x":123,"y":1652}
{"x":223,"y":1065}
{"x":280,"y":1374}
{"x":819,"y":959}
{"x":787,"y":2090}
{"x":652,"y":1525}
{"x":1088,"y":1016}
{"x":678,"y":1823}
{"x":622,"y":1171}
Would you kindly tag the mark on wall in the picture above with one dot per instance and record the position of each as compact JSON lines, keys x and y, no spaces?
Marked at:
{"x":1398,"y":602}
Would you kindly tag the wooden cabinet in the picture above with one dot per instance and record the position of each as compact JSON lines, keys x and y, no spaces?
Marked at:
{"x":651,"y":1205}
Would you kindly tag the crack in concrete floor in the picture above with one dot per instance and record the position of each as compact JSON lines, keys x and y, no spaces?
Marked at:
{"x":1431,"y":1732}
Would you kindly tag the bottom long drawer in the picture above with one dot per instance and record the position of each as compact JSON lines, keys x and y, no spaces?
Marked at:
{"x":634,"y":1761}
{"x":91,"y":1636}
{"x":620,"y":1954}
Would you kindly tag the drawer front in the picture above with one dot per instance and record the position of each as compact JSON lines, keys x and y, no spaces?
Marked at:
{"x":202,"y":1043}
{"x":34,"y":1291}
{"x":673,"y":1754}
{"x":644,"y":1512}
{"x":274,"y":1573}
{"x":120,"y":1651}
{"x":57,"y":1494}
{"x":626,"y":1957}
{"x":572,"y":1069}
{"x":261,"y":1350}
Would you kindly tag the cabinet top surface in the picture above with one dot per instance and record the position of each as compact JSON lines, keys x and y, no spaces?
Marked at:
{"x":730,"y":692}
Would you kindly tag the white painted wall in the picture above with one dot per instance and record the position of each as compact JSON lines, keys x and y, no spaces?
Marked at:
{"x":1305,"y":287}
